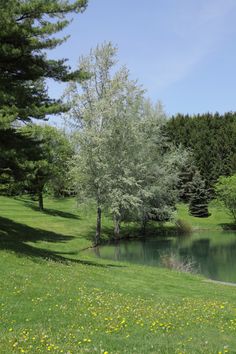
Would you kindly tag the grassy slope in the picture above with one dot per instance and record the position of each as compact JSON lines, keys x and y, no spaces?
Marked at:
{"x":94,"y":306}
{"x":216,"y":220}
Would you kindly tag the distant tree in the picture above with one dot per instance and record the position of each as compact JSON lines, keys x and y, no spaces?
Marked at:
{"x":226,"y":192}
{"x":212,"y":140}
{"x":186,"y":176}
{"x":198,"y":202}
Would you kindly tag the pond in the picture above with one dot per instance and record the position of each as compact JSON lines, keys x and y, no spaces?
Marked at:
{"x":212,"y":253}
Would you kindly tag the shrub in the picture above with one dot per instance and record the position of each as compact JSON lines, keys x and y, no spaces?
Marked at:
{"x":183,"y":227}
{"x":171,"y":261}
{"x":226,"y":193}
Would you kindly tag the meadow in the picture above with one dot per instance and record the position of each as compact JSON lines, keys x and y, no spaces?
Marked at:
{"x":57,"y":298}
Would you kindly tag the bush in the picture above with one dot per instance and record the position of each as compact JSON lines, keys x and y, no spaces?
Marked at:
{"x":171,"y":261}
{"x":183,"y":227}
{"x":225,"y":190}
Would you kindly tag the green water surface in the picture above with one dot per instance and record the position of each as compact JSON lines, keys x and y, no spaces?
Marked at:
{"x":213,"y":253}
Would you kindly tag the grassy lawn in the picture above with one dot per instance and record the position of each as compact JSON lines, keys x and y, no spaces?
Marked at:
{"x":54,"y":298}
{"x":219,"y":217}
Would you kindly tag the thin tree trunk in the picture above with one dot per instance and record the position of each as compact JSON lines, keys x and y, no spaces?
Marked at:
{"x":40,"y":196}
{"x":98,"y":228}
{"x":117,"y":227}
{"x":144,"y":226}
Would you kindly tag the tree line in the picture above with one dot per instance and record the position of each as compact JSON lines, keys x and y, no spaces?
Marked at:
{"x":211,"y":138}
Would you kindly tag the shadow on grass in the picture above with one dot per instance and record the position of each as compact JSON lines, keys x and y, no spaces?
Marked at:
{"x":15,"y":237}
{"x":51,"y":212}
{"x":229,"y":226}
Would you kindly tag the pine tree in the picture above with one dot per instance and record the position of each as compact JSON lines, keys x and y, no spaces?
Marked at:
{"x":211,"y":138}
{"x":198,"y":204}
{"x":185,"y":182}
{"x":27,"y":30}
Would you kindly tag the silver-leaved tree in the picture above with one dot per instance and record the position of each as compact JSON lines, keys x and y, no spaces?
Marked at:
{"x":123,"y":162}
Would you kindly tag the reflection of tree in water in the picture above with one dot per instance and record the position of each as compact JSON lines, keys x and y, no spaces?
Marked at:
{"x":201,"y":248}
{"x":117,"y":251}
{"x":132,"y":251}
{"x":215,"y":256}
{"x":215,"y":261}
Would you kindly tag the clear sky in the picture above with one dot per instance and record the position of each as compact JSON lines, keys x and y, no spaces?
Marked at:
{"x":183,"y":52}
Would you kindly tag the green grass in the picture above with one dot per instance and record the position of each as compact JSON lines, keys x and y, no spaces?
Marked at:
{"x":56,"y":298}
{"x":218,"y":219}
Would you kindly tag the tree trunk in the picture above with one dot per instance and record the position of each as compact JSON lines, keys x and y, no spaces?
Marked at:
{"x":98,"y":228}
{"x":40,"y":196}
{"x":117,"y":227}
{"x":144,"y":225}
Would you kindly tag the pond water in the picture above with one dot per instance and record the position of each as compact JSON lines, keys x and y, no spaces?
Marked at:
{"x":213,"y":253}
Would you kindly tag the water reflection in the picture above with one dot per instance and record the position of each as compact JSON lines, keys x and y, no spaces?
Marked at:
{"x":214,"y":253}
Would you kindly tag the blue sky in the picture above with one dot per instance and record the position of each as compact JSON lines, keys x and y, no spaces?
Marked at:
{"x":183,"y":52}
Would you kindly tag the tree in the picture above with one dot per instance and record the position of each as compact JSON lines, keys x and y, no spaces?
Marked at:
{"x":226,"y":193}
{"x":27,"y":31}
{"x":123,"y":161}
{"x":46,"y":164}
{"x":186,"y":177}
{"x":212,"y":140}
{"x":162,"y":163}
{"x":13,"y":146}
{"x":198,"y":202}
{"x":104,"y":113}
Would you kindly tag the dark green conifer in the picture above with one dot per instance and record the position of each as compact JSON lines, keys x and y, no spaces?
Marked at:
{"x":29,"y":28}
{"x":198,"y":203}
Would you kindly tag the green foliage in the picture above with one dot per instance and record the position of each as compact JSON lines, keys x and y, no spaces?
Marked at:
{"x":226,"y":192}
{"x":47,"y":163}
{"x":186,"y":177}
{"x":106,"y":113}
{"x":28,"y":28}
{"x":198,"y":202}
{"x":123,"y":160}
{"x":183,"y":227}
{"x":161,"y":164}
{"x":26,"y":31}
{"x":15,"y":149}
{"x":212,"y":140}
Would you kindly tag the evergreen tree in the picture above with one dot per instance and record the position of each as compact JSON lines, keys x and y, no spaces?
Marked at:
{"x":27,"y":30}
{"x":186,"y":176}
{"x":198,"y":203}
{"x":212,"y":140}
{"x":14,"y":150}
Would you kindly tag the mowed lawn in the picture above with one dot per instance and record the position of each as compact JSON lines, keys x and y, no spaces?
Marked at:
{"x":55,"y":298}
